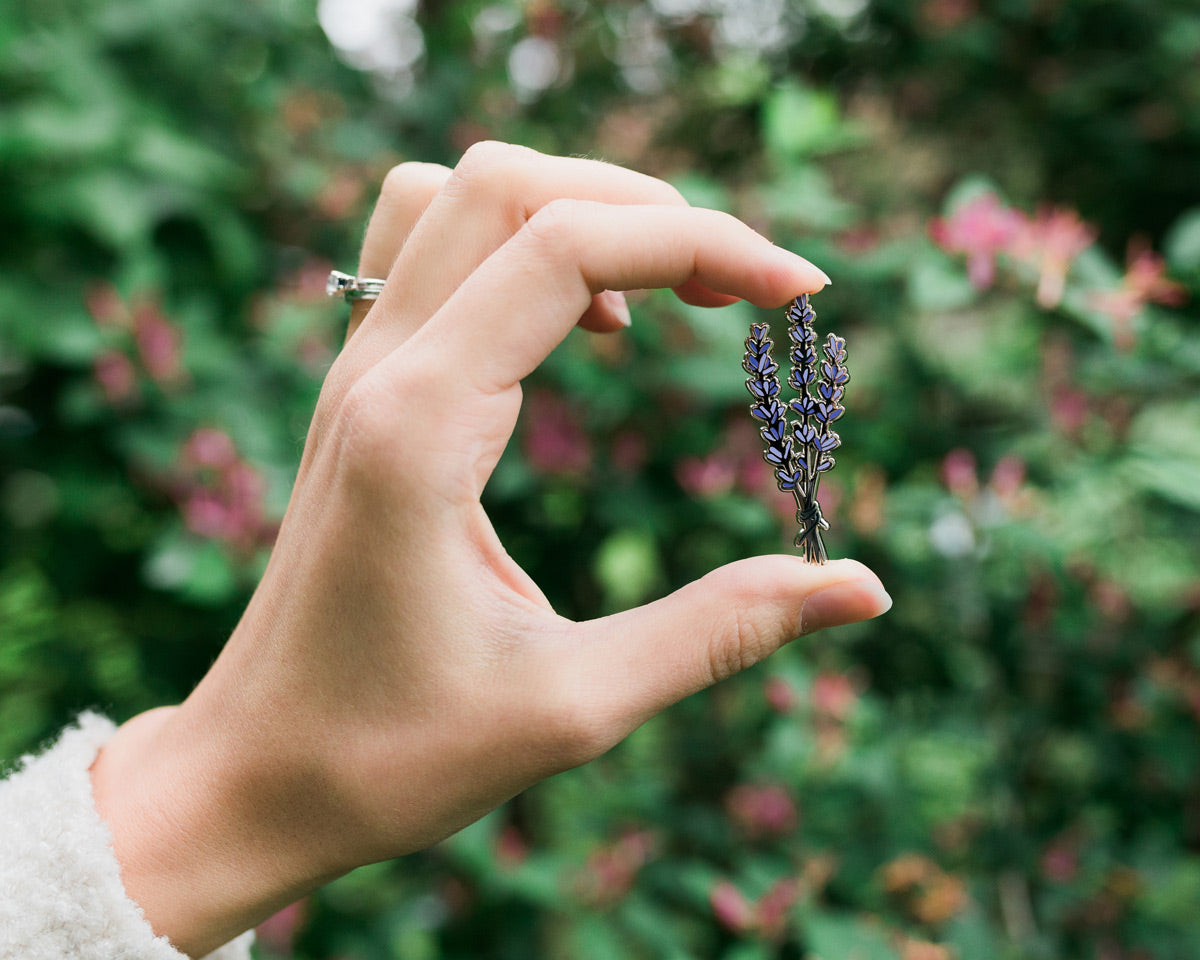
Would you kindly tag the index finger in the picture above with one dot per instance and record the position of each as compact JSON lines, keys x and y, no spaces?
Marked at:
{"x":525,"y":298}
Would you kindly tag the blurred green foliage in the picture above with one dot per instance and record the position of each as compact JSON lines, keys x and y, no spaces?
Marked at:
{"x":1006,"y":766}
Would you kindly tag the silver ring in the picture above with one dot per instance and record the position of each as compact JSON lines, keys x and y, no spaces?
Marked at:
{"x":352,"y":288}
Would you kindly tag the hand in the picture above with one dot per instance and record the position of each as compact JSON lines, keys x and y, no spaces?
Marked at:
{"x":396,"y":675}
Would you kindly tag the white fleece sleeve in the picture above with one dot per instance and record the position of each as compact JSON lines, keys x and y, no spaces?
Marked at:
{"x":60,"y":886}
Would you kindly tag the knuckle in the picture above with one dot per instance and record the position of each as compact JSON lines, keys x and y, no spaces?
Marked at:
{"x":722,"y":220}
{"x":672,"y":194}
{"x":555,"y":225}
{"x":572,"y":727}
{"x":373,"y":444}
{"x":577,"y":738}
{"x":730,"y":645}
{"x":360,"y":422}
{"x":487,"y":167}
{"x":754,"y":625}
{"x":403,"y":180}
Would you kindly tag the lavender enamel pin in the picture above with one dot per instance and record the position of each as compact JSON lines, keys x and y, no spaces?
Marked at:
{"x":801,"y":458}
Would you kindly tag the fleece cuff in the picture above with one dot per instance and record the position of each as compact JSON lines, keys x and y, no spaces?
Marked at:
{"x":60,"y":884}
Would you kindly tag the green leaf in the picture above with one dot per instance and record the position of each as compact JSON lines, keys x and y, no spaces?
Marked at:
{"x":968,"y":189}
{"x":806,"y":196}
{"x":1172,"y":898}
{"x":628,"y":567}
{"x":1182,"y":244}
{"x":837,"y":936}
{"x":800,"y":121}
{"x":937,"y":283}
{"x":1165,"y":453}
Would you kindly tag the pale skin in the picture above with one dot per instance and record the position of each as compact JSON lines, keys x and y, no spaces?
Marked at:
{"x":396,"y":674}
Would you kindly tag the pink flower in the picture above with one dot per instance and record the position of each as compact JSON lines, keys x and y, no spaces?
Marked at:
{"x":209,"y":448}
{"x":1146,"y":276}
{"x":511,"y":847}
{"x":555,"y":443}
{"x":1008,"y":478}
{"x":1050,"y":242}
{"x":245,"y":486}
{"x":206,"y":514}
{"x":1121,"y":307}
{"x":958,"y":473}
{"x":1145,"y":281}
{"x":768,"y":917}
{"x":612,"y":870}
{"x":980,"y":228}
{"x":781,"y":695}
{"x":158,"y":343}
{"x":775,"y":905}
{"x":1060,"y":862}
{"x":1069,"y":409}
{"x":762,"y":811}
{"x":222,"y":496}
{"x":754,"y":473}
{"x":833,"y":696}
{"x":732,"y":910}
{"x":946,"y":15}
{"x":114,"y":373}
{"x":709,"y":476}
{"x":105,"y":305}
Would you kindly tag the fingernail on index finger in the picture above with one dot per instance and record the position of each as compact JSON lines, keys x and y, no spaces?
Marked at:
{"x":813,"y":279}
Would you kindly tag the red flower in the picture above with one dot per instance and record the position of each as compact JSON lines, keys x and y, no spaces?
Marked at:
{"x":555,"y":442}
{"x":710,"y":476}
{"x":762,"y":811}
{"x":1060,"y":861}
{"x":612,"y":870}
{"x":209,"y":448}
{"x":1050,"y":242}
{"x":773,"y":908}
{"x":105,"y":305}
{"x":1008,"y":477}
{"x":1145,"y":281}
{"x":768,"y":917}
{"x":1146,"y":275}
{"x":511,"y":847}
{"x":958,"y":474}
{"x":732,"y":910}
{"x":833,"y":696}
{"x":222,"y":497}
{"x":206,"y":514}
{"x":114,"y":373}
{"x":781,"y":695}
{"x":158,"y":343}
{"x":979,"y":228}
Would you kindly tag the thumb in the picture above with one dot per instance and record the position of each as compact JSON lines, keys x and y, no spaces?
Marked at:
{"x":721,"y":624}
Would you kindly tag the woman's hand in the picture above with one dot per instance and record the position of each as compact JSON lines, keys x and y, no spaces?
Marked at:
{"x":396,"y":675}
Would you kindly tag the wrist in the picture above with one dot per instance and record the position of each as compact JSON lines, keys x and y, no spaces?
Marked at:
{"x":196,"y":829}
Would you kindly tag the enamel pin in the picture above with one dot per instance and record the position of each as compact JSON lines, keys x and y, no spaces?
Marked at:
{"x":802,"y":449}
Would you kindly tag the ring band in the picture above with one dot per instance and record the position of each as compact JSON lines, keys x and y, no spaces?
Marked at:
{"x":352,"y":288}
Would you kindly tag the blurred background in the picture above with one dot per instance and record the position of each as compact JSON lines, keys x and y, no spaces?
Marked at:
{"x":1005,"y":193}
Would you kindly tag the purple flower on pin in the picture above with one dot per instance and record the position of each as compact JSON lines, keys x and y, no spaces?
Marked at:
{"x":801,"y":458}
